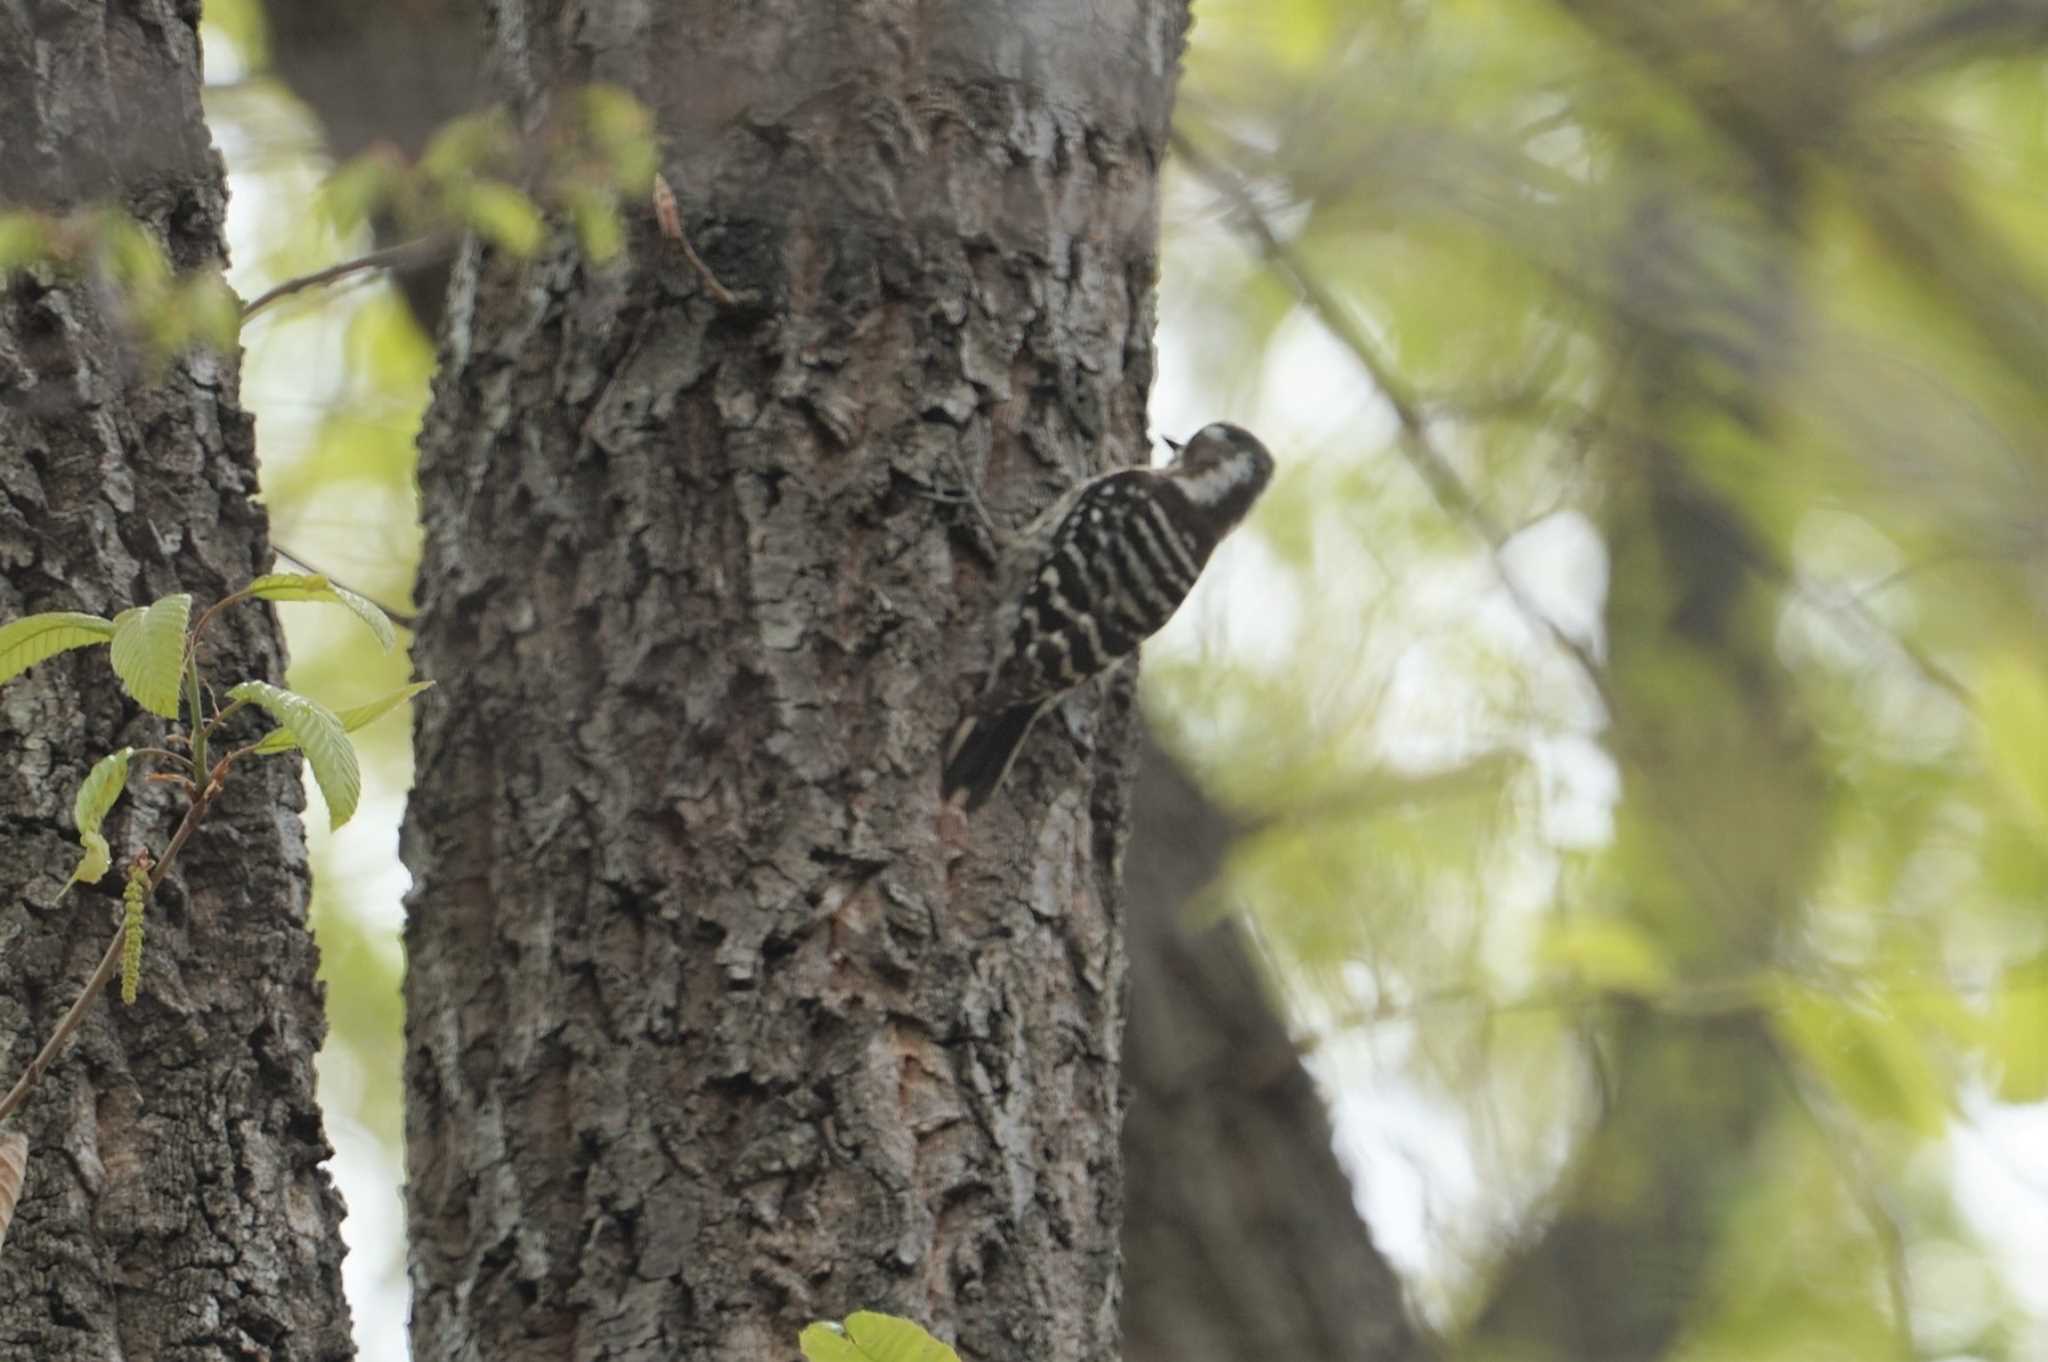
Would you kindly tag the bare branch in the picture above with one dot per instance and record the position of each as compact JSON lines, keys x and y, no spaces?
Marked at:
{"x":669,"y":218}
{"x":419,"y":251}
{"x":74,"y":1016}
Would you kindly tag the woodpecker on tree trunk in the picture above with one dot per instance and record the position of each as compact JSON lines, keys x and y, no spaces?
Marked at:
{"x":1100,"y":573}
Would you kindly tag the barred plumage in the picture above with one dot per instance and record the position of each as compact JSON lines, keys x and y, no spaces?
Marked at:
{"x":1123,"y":551}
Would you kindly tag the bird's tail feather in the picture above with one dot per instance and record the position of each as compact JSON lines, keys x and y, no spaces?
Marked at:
{"x":980,"y":754}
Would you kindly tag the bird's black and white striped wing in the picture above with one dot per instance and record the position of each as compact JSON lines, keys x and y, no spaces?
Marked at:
{"x":1119,"y":562}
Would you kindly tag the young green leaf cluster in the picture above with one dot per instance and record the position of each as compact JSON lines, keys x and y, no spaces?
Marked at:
{"x":152,"y":649}
{"x":171,"y":310}
{"x":154,"y":653}
{"x":478,"y":174}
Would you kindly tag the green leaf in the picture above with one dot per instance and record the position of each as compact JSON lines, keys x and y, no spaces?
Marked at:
{"x":294,"y":586}
{"x":212,"y":313}
{"x":360,"y":188}
{"x":504,"y":215}
{"x":1608,"y":953}
{"x":24,"y":239}
{"x":871,"y":1337}
{"x":318,"y":733}
{"x":466,"y":146}
{"x":622,"y":128}
{"x":1875,"y":1061}
{"x":31,"y":639}
{"x":149,"y":652}
{"x":361,"y":716}
{"x":102,"y":786}
{"x":597,"y":224}
{"x":132,"y":255}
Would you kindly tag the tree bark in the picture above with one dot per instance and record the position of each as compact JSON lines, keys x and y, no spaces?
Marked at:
{"x":175,"y":1205}
{"x":715,"y":1024}
{"x":1240,"y":1237}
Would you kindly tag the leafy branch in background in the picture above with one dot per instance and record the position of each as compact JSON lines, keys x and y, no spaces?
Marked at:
{"x":154,"y":650}
{"x":469,"y":178}
{"x":582,"y":163}
{"x":478,"y":174}
{"x":171,"y":312}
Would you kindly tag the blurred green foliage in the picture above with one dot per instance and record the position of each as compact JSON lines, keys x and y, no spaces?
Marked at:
{"x":1731,"y":975}
{"x":602,"y":150}
{"x":166,"y":311}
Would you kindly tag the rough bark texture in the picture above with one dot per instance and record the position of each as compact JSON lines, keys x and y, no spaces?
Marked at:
{"x":715,"y":1024}
{"x":1240,"y":1237}
{"x":175,"y":1206}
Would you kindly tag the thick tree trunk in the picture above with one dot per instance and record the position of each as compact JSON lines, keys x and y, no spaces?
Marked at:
{"x":175,"y":1205}
{"x":1240,"y":1237}
{"x":716,"y":1024}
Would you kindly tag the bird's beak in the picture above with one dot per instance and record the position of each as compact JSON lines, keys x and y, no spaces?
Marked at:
{"x":1175,"y":445}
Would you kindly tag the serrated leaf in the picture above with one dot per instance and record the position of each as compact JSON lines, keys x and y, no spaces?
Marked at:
{"x":308,"y":586}
{"x":33,"y":638}
{"x":319,"y":734}
{"x":149,"y":652}
{"x":360,"y":716}
{"x":96,"y":795}
{"x":868,"y":1336}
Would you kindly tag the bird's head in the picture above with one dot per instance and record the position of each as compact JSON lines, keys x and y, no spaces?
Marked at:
{"x":1222,"y":469}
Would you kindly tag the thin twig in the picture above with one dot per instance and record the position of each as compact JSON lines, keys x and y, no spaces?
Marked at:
{"x":669,"y":218}
{"x":1956,"y":32}
{"x":1416,"y":446}
{"x":110,"y":962}
{"x":1852,"y":1164}
{"x":711,"y":284}
{"x":418,"y":251}
{"x":400,"y":618}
